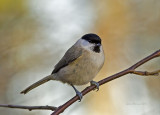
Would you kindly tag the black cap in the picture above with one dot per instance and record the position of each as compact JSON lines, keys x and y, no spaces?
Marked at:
{"x":92,"y":38}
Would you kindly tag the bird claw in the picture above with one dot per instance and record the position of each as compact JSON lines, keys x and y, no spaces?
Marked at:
{"x":96,"y":84}
{"x":79,"y":94}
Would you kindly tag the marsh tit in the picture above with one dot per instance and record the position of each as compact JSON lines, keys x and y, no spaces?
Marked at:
{"x":79,"y":65}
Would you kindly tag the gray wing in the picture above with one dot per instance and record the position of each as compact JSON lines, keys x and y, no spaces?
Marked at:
{"x":72,"y":54}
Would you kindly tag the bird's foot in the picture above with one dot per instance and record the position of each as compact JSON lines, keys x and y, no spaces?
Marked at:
{"x":96,"y":84}
{"x":79,"y":94}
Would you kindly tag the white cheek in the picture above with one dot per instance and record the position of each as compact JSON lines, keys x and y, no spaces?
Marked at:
{"x":88,"y":46}
{"x":84,"y":43}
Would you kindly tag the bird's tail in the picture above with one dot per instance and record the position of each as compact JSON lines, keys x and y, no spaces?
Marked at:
{"x":38,"y":83}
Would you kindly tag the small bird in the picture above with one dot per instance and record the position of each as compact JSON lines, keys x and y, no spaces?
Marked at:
{"x":79,"y":65}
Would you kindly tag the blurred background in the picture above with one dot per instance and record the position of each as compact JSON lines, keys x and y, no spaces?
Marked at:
{"x":34,"y":35}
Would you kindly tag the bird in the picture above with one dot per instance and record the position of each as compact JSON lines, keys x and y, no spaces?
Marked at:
{"x":79,"y":65}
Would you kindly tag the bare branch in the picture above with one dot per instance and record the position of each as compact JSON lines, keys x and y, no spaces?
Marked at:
{"x":30,"y":108}
{"x":145,"y":73}
{"x":130,"y":70}
{"x":108,"y":79}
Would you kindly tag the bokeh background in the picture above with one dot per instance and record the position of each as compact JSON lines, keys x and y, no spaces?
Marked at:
{"x":34,"y":35}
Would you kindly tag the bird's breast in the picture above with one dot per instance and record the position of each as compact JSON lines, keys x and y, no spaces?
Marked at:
{"x":83,"y":69}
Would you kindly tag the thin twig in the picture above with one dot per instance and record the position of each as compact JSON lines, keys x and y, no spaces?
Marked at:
{"x":30,"y":108}
{"x":110,"y":78}
{"x":145,"y":73}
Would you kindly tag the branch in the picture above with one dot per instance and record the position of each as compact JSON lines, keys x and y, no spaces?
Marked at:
{"x":145,"y":73}
{"x":30,"y":108}
{"x":130,"y":70}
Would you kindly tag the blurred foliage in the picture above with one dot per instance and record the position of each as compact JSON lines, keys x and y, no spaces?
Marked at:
{"x":130,"y":30}
{"x":9,"y":9}
{"x":15,"y":32}
{"x":7,"y":6}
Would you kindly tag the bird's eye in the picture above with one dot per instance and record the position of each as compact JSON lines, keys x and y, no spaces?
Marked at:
{"x":90,"y":41}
